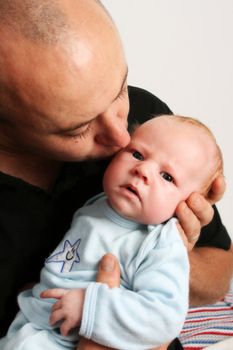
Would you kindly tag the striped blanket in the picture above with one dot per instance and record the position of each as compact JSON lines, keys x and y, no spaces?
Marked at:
{"x":208,"y":324}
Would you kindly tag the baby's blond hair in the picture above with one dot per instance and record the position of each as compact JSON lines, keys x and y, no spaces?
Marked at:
{"x":218,"y":169}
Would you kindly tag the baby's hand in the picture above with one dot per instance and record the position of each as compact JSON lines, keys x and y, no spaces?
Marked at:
{"x":68,"y":308}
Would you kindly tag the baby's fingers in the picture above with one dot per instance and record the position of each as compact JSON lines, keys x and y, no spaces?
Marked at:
{"x":66,"y":327}
{"x":56,"y":316}
{"x":56,"y":306}
{"x":55,"y":293}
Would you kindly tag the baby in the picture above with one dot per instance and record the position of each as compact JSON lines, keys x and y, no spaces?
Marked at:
{"x":168,"y":158}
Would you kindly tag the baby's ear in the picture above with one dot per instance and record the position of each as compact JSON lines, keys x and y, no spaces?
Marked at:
{"x":216,"y":189}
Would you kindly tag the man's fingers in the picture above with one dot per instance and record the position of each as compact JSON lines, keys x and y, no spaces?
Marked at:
{"x":109,"y":271}
{"x":182,"y":234}
{"x":188,"y":244}
{"x":201,"y":208}
{"x":188,"y":221}
{"x":193,"y":214}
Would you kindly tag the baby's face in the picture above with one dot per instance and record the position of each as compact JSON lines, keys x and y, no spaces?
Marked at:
{"x":163,"y":164}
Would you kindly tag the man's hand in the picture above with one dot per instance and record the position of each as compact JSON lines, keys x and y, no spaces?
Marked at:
{"x":109,"y":271}
{"x":211,"y":268}
{"x":197,"y":212}
{"x":210,"y":274}
{"x":67,"y":309}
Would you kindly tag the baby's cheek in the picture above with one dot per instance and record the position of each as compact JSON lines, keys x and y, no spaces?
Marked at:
{"x":160,"y":211}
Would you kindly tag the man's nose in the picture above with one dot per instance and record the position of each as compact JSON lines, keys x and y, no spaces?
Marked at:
{"x":112,"y":131}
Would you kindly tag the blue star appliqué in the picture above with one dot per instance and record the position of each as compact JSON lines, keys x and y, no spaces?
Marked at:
{"x":68,"y":256}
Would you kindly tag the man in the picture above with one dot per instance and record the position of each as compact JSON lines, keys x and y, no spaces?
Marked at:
{"x":63,"y":97}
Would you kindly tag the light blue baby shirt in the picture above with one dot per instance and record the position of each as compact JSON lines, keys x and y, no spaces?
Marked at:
{"x":150,"y":306}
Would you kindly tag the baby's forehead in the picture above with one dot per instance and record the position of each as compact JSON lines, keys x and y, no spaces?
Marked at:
{"x":153,"y":126}
{"x":158,"y":121}
{"x":170,"y":123}
{"x":172,"y":131}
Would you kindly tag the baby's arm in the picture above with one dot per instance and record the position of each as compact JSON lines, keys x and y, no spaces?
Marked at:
{"x":68,"y":309}
{"x":108,"y":273}
{"x":147,"y":316}
{"x":153,"y":312}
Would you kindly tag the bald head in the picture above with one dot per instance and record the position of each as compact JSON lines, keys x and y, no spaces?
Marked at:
{"x":54,"y":42}
{"x":61,"y":64}
{"x":43,"y":21}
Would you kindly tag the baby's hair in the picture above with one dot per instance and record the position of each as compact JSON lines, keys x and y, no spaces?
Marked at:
{"x":218,"y":170}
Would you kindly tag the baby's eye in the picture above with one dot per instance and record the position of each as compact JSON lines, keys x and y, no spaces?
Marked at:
{"x":167,"y":176}
{"x":137,"y":155}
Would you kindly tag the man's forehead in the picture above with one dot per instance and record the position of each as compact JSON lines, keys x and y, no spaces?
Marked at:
{"x":85,"y":113}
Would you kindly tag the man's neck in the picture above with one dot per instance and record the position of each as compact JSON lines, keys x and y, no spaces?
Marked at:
{"x":34,"y":170}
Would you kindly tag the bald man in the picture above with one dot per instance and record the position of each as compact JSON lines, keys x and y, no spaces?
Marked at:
{"x":64,"y":100}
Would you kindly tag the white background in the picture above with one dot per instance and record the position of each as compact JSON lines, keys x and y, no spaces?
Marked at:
{"x":182,"y":51}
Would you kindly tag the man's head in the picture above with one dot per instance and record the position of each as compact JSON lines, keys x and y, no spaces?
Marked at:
{"x":168,"y":158}
{"x":63,"y":74}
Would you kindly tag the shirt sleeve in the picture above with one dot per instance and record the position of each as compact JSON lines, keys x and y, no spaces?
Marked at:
{"x":149,"y":315}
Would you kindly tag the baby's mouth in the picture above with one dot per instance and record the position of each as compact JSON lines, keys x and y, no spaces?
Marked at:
{"x":133,"y":190}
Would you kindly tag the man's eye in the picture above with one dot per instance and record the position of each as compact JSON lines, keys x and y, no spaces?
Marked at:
{"x":79,"y":132}
{"x":137,"y":155}
{"x":123,"y":93}
{"x":167,"y":176}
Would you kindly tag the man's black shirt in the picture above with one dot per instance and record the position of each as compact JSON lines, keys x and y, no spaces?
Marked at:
{"x":32,"y":222}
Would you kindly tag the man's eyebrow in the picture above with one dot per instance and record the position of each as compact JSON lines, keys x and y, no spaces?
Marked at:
{"x":77,"y":126}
